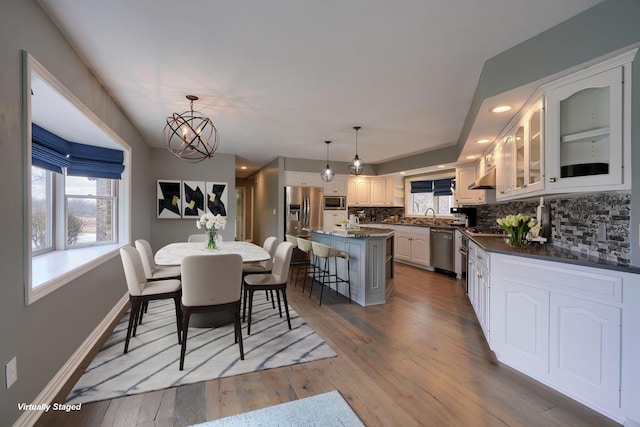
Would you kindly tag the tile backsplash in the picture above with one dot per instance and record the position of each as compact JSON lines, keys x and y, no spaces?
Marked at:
{"x":577,"y":222}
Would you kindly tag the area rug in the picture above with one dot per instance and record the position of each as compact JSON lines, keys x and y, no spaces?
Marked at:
{"x":152,"y":362}
{"x":328,"y":409}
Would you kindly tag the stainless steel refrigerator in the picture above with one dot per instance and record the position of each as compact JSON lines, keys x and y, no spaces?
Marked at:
{"x":302,"y":208}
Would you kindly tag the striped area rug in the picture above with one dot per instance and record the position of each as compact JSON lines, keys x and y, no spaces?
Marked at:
{"x":152,"y":362}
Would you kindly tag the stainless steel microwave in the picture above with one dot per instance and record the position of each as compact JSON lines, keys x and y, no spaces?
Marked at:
{"x":334,"y":203}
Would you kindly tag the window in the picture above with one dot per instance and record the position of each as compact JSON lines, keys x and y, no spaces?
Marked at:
{"x":78,"y":186}
{"x":426,"y":194}
{"x":90,"y":211}
{"x":42,"y":209}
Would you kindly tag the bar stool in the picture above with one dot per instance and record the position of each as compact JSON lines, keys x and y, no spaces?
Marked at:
{"x":323,"y":254}
{"x":296,"y":259}
{"x":308,"y":267}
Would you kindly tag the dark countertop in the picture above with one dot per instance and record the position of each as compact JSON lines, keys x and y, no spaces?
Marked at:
{"x":549,"y":253}
{"x":361,"y":232}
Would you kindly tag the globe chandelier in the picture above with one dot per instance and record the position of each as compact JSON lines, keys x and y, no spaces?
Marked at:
{"x":190,"y":135}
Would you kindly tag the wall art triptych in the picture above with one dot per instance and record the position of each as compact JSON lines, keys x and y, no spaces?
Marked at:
{"x":191,"y":199}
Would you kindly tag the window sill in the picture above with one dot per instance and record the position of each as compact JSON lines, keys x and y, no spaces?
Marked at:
{"x":52,"y":270}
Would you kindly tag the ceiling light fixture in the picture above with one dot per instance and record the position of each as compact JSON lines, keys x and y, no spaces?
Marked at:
{"x":501,"y":108}
{"x":356,"y":166}
{"x":483,"y":141}
{"x":190,"y":135}
{"x":327,"y":173}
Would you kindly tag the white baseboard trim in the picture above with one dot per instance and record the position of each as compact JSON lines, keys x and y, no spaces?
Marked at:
{"x":29,"y":418}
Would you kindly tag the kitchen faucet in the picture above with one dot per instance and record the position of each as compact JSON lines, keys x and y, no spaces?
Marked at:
{"x":433,"y":220}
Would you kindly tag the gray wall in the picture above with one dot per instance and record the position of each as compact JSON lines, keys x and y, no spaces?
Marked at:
{"x":221,"y":168}
{"x":269,"y":198}
{"x":600,"y":31}
{"x":45,"y":334}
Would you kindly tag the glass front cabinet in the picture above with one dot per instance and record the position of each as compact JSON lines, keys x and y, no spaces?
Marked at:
{"x":584,"y":132}
{"x":528,"y":151}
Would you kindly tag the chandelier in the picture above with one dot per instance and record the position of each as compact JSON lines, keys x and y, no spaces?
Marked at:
{"x":356,"y":166}
{"x":327,"y":173}
{"x":190,"y":135}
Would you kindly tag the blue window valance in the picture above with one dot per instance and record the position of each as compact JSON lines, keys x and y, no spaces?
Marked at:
{"x":425,"y":186}
{"x":443,"y":187}
{"x":51,"y":152}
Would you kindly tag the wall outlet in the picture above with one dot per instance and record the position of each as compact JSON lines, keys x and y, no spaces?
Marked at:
{"x":274,"y":212}
{"x":11,"y":372}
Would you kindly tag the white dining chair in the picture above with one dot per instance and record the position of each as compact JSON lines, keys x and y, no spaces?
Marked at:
{"x":202,"y":237}
{"x":276,"y":281}
{"x":151,"y":269}
{"x":141,"y":291}
{"x":262,"y":267}
{"x":211,"y":284}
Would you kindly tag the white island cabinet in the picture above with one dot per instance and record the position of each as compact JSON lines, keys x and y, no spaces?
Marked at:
{"x":569,"y":327}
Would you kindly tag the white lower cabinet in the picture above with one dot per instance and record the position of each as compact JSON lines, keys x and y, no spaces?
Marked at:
{"x":584,"y":348}
{"x":562,"y":324}
{"x":412,"y":245}
{"x":479,"y":284}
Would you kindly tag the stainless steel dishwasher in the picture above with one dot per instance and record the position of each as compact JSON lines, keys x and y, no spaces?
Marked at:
{"x":442,"y":245}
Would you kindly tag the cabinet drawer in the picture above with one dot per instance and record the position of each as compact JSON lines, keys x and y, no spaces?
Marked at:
{"x":479,"y":254}
{"x":583,"y":282}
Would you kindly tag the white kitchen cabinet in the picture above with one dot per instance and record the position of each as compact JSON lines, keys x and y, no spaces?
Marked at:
{"x":585,"y":134}
{"x":562,"y":324}
{"x":412,"y":245}
{"x":527,"y":152}
{"x":330,"y":217}
{"x":465,"y":176}
{"x":478,"y":282}
{"x":303,"y":179}
{"x":358,"y":191}
{"x":337,"y":186}
{"x":584,"y":348}
{"x":504,"y":161}
{"x":379,"y":192}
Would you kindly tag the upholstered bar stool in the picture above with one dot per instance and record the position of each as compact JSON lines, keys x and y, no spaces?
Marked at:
{"x":304,"y":246}
{"x":296,"y":259}
{"x":323,"y":255}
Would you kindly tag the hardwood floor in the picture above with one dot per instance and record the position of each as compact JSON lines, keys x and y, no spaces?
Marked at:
{"x":420,"y":359}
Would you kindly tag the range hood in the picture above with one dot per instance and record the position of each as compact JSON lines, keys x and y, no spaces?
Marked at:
{"x":485,"y":182}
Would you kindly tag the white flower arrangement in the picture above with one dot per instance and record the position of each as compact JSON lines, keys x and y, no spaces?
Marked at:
{"x":210,"y":221}
{"x":517,"y":227}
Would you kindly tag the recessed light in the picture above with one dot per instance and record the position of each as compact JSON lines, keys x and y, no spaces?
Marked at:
{"x":442,"y":166}
{"x":403,"y":173}
{"x":472,"y":157}
{"x":243,"y":167}
{"x":483,"y":141}
{"x":501,"y":108}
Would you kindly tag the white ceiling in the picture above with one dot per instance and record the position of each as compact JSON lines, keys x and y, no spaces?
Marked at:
{"x":280,"y":77}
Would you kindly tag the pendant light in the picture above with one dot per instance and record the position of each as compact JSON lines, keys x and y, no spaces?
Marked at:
{"x":190,"y":135}
{"x":327,"y":173}
{"x":356,"y":166}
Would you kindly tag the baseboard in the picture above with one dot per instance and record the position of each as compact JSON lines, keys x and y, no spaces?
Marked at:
{"x":49,"y":393}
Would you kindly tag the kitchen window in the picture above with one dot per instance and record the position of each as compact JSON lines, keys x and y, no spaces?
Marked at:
{"x":424,"y":194}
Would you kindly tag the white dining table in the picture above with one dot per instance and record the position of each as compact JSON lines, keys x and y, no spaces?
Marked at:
{"x":174,"y":253}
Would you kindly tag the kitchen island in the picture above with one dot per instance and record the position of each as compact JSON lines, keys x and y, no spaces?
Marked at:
{"x":370,"y":261}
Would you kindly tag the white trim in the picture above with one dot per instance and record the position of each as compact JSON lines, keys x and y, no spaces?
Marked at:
{"x":33,"y":292}
{"x":29,"y":418}
{"x":57,"y":268}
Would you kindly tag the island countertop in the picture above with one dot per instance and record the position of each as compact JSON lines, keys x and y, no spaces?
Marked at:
{"x":360,"y":232}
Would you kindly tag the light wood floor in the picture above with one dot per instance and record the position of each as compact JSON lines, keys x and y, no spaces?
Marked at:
{"x":420,"y":359}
